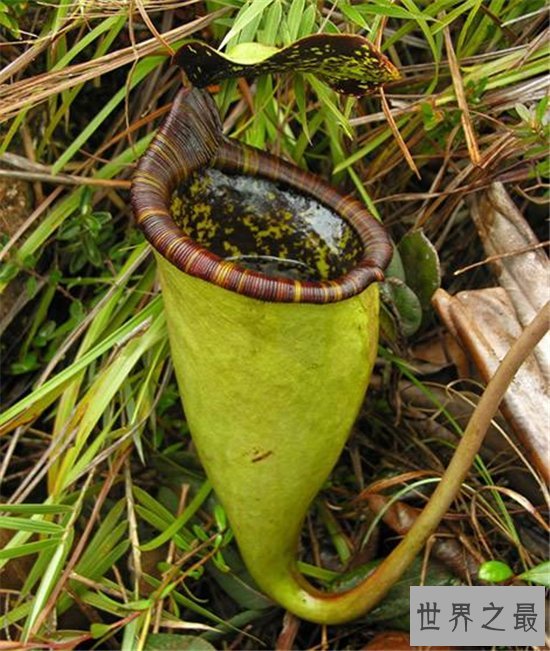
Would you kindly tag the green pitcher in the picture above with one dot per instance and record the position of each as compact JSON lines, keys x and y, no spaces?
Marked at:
{"x":268,"y":276}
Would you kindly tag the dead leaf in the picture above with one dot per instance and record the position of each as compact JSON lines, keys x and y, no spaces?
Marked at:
{"x":526,"y":276}
{"x":439,"y":352}
{"x":488,"y":321}
{"x":485,"y":322}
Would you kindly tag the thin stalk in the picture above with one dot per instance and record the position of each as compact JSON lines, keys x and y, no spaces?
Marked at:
{"x":397,"y":562}
{"x":296,"y":594}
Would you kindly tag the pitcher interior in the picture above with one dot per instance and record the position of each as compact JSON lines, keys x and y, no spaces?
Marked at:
{"x":264,"y":226}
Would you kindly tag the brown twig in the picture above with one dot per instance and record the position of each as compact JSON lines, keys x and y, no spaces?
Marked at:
{"x":499,"y":256}
{"x":465,"y":118}
{"x":397,"y":135}
{"x":64,"y":179}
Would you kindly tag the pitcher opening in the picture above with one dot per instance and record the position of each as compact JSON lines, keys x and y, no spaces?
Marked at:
{"x":265,"y":226}
{"x":307,"y":243}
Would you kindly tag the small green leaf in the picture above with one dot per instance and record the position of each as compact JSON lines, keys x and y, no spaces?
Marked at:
{"x":308,"y":21}
{"x":220,"y":517}
{"x":421,"y":264}
{"x":272,"y":22}
{"x":28,"y":363}
{"x":542,"y":168}
{"x":69,"y":231}
{"x":351,"y":13}
{"x":76,"y":310}
{"x":44,"y":334}
{"x":294,"y":17}
{"x":26,"y":524}
{"x":10,"y":24}
{"x":348,"y":63}
{"x":99,"y":630}
{"x":494,"y":572}
{"x":8,"y":270}
{"x":31,"y":286}
{"x":33,"y":509}
{"x":541,"y":111}
{"x":28,"y":548}
{"x":249,"y":32}
{"x":395,"y":269}
{"x":169,"y":642}
{"x":539,"y":574}
{"x":390,"y":10}
{"x":85,"y":201}
{"x":246,"y":15}
{"x":431,"y":116}
{"x":404,"y":305}
{"x":139,"y":604}
{"x":92,"y":252}
{"x":29,"y":261}
{"x":523,"y":113}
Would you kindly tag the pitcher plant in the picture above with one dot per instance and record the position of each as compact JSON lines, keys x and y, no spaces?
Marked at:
{"x":268,"y":276}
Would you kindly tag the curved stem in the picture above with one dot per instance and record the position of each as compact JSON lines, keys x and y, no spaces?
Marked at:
{"x":340,"y":607}
{"x":447,"y":489}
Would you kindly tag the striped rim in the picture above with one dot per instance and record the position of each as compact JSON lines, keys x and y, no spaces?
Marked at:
{"x":190,"y":139}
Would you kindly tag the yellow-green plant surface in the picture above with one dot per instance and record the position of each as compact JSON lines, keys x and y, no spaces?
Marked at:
{"x":271,"y":391}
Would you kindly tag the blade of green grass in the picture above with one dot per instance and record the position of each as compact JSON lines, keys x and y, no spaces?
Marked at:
{"x":29,"y":407}
{"x":247,"y":13}
{"x":142,"y":69}
{"x":36,"y":509}
{"x":26,"y":524}
{"x":28,"y":548}
{"x":68,"y":206}
{"x":181,"y":520}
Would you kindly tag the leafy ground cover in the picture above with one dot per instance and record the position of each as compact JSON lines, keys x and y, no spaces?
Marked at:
{"x":110,"y":533}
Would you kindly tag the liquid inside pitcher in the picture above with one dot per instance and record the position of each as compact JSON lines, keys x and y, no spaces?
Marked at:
{"x":264,"y":226}
{"x":276,"y":267}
